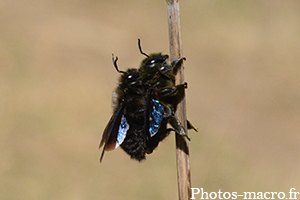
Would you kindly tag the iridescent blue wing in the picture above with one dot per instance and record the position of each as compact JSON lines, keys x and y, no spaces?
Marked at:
{"x":115,"y":131}
{"x":153,"y":116}
{"x":156,"y":117}
{"x":123,"y":128}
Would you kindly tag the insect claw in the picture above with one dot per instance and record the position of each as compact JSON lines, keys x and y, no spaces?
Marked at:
{"x":185,"y":85}
{"x":187,"y":137}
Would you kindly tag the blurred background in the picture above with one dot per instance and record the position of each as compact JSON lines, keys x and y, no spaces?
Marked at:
{"x":57,"y":77}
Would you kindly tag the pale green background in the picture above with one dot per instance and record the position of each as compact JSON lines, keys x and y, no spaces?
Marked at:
{"x":56,"y":80}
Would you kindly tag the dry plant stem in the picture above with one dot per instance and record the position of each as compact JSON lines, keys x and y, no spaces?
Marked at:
{"x":182,"y":151}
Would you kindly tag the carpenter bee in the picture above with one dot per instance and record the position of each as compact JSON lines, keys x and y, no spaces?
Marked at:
{"x":144,"y":102}
{"x":125,"y":128}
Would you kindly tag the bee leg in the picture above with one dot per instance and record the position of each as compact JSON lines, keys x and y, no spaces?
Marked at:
{"x":172,"y":95}
{"x":176,"y":64}
{"x":151,"y":145}
{"x":175,"y":91}
{"x":168,"y":111}
{"x":190,"y":125}
{"x":167,"y":91}
{"x":174,"y":122}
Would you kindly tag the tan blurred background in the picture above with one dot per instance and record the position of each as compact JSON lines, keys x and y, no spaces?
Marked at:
{"x":56,"y":80}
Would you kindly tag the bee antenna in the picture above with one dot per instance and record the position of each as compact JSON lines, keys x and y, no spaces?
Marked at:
{"x":140,"y":48}
{"x":115,"y":64}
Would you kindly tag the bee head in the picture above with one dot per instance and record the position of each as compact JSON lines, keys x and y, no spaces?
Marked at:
{"x":130,"y":81}
{"x":155,"y":62}
{"x":131,"y":77}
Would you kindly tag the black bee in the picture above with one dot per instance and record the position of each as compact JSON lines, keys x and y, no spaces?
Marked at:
{"x":143,"y":104}
{"x":128,"y":115}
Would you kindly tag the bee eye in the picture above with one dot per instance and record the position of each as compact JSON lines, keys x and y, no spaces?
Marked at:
{"x":150,"y":63}
{"x":159,"y":59}
{"x":129,"y":76}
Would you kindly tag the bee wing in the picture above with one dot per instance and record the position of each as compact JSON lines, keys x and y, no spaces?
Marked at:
{"x":153,"y":116}
{"x":106,"y":131}
{"x":156,"y":117}
{"x":115,"y":131}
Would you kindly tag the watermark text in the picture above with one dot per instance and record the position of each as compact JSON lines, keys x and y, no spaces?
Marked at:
{"x":199,"y":193}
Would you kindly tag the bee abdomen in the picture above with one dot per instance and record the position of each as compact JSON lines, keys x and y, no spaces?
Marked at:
{"x":134,"y":144}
